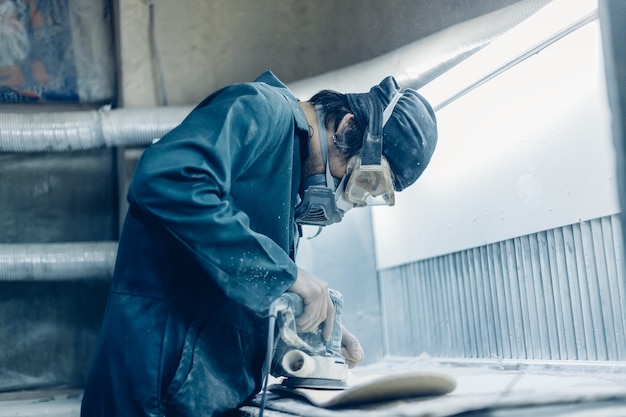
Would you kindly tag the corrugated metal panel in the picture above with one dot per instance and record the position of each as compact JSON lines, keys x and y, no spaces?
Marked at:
{"x":554,"y":295}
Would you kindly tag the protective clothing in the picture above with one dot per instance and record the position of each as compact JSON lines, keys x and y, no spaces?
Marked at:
{"x":207,"y":245}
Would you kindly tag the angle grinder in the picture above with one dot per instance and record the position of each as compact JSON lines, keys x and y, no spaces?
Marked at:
{"x":306,"y":360}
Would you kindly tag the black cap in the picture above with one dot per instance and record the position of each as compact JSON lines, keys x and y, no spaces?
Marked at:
{"x":410,"y":135}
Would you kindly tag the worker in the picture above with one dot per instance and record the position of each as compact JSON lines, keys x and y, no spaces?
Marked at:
{"x":210,"y":237}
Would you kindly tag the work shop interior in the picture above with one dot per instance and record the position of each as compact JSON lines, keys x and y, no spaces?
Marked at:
{"x":493,"y":286}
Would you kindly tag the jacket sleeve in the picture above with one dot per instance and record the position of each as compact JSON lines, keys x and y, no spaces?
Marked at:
{"x":184,"y":181}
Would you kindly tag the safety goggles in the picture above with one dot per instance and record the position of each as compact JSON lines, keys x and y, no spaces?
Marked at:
{"x":367,"y":185}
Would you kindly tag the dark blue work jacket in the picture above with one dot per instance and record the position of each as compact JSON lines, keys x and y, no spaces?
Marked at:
{"x":207,"y":245}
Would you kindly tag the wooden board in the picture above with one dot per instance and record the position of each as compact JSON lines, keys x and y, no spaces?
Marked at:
{"x":376,"y":388}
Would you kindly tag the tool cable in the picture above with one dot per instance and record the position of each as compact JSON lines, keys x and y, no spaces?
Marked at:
{"x":280,"y":304}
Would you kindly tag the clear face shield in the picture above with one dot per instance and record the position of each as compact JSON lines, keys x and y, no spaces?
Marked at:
{"x":369,"y":179}
{"x":367,"y":185}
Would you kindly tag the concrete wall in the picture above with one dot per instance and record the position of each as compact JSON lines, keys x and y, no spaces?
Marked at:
{"x":204,"y":45}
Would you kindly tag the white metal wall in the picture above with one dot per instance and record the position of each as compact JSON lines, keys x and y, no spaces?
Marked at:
{"x":528,"y":150}
{"x":509,"y":246}
{"x":552,"y":295}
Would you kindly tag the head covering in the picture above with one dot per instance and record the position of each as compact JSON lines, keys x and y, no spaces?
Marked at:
{"x":410,"y":134}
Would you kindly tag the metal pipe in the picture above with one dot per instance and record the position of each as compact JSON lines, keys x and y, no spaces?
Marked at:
{"x":57,"y":261}
{"x":82,"y":130}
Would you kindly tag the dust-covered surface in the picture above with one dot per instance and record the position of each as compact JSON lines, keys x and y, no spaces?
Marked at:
{"x":489,"y":387}
{"x":484,"y":388}
{"x":50,"y":403}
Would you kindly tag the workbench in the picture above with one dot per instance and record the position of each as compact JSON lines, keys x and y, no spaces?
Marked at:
{"x":490,"y":388}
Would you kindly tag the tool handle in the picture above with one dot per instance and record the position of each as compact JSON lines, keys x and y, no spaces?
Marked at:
{"x":294,"y":301}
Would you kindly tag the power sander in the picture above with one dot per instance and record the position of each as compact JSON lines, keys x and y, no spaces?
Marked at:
{"x":306,"y":360}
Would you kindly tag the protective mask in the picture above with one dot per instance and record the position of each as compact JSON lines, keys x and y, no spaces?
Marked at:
{"x":368,"y":179}
{"x":318,"y":206}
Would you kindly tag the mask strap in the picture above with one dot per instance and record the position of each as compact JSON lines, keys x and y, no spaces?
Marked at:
{"x":371,"y":153}
{"x":321,"y":127}
{"x":372,"y":148}
{"x":389,"y":109}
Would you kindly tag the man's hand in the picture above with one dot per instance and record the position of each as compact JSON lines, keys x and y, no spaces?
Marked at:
{"x":351,"y":348}
{"x":318,"y":307}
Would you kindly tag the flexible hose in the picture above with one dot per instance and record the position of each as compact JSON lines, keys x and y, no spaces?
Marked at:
{"x":419,"y":62}
{"x":83,"y":130}
{"x":57,"y":261}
